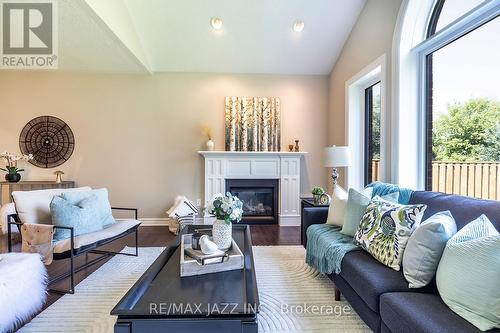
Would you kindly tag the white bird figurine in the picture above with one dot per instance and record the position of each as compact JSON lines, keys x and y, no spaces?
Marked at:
{"x":207,"y":246}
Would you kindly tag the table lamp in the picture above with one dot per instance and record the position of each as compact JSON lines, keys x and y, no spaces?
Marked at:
{"x":335,"y":157}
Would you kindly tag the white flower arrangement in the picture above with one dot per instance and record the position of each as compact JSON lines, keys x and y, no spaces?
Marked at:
{"x":12,"y":160}
{"x":226,"y":207}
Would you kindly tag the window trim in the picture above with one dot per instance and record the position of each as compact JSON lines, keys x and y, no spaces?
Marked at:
{"x":354,"y":121}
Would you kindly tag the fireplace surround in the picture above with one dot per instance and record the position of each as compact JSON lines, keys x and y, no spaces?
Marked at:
{"x":283,"y":167}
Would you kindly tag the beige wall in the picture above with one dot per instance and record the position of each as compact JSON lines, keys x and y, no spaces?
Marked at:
{"x":138,"y":135}
{"x":370,"y":38}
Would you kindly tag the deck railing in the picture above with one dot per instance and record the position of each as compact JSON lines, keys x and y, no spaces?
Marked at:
{"x":474,"y":179}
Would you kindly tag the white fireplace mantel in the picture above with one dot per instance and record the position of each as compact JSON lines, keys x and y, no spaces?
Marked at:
{"x":285,"y":166}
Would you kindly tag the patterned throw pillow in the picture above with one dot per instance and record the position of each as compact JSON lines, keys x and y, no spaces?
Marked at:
{"x":385,"y":229}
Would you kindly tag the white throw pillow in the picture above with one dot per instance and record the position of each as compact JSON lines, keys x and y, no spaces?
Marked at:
{"x":336,"y":211}
{"x":33,"y":206}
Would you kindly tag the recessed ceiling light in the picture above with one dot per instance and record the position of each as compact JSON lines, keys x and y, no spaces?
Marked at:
{"x":216,"y":23}
{"x":298,"y":26}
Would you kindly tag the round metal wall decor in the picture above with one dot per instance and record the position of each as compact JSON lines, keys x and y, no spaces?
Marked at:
{"x":49,"y":139}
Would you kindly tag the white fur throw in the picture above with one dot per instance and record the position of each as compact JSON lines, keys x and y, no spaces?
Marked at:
{"x":5,"y":211}
{"x":23,"y":288}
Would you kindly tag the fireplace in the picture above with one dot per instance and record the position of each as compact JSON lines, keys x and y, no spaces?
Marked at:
{"x":259,"y":197}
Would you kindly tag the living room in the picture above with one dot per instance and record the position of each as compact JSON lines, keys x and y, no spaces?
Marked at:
{"x":264,"y":166}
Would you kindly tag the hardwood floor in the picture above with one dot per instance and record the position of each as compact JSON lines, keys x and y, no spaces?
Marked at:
{"x":152,"y":237}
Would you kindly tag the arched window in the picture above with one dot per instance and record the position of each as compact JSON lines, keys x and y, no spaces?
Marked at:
{"x":462,"y":103}
{"x":446,"y":70}
{"x":446,"y":11}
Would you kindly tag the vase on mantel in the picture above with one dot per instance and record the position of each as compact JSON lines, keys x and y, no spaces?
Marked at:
{"x":222,"y":234}
{"x":210,"y":145}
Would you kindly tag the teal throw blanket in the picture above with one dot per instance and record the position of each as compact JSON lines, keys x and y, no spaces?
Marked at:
{"x":326,"y":247}
{"x":382,"y":189}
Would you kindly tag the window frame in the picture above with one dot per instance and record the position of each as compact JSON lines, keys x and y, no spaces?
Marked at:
{"x":465,"y":24}
{"x":368,"y":172}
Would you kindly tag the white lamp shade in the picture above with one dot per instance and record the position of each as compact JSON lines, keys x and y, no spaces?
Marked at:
{"x":336,"y":157}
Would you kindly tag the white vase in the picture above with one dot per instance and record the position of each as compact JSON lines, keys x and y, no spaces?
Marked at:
{"x":222,"y":234}
{"x":210,"y":145}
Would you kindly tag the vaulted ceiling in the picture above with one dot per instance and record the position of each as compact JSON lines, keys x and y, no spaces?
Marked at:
{"x":135,"y":36}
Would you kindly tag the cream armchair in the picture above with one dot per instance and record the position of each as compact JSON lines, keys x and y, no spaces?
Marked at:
{"x":33,"y":207}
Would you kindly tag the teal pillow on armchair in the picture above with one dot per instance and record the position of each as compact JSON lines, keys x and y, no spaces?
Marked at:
{"x":83,"y":217}
{"x":104,"y":208}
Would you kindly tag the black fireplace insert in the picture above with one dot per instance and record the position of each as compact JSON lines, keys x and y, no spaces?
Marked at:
{"x":259,"y":197}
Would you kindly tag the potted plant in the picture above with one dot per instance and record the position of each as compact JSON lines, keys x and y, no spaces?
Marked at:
{"x":317,"y":192}
{"x":11,"y":168}
{"x":227,"y":209}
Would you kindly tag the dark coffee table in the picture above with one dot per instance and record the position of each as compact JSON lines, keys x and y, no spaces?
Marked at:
{"x":162,"y":301}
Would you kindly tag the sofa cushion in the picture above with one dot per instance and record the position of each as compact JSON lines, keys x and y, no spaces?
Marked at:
{"x":422,"y":313}
{"x":336,"y":210}
{"x":103,"y":207}
{"x":425,"y":248}
{"x":82,"y":217}
{"x":468,"y":273}
{"x":33,"y":206}
{"x":370,"y":279}
{"x":463,"y":209}
{"x":110,"y":231}
{"x":385,"y":229}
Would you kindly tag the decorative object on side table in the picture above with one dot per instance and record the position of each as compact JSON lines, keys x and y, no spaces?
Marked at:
{"x":226,"y":209}
{"x":207,"y":131}
{"x":49,"y":139}
{"x":317,"y":192}
{"x":58,"y":175}
{"x":13,"y":175}
{"x":325,"y":199}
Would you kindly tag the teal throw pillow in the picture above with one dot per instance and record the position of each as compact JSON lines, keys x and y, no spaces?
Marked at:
{"x":425,"y":248}
{"x":355,"y":209}
{"x":103,"y":206}
{"x":468,"y":274}
{"x":84,"y":217}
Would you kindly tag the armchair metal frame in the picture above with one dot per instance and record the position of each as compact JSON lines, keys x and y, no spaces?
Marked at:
{"x":13,"y":219}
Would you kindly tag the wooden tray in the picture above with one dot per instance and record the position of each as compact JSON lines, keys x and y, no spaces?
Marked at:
{"x":233,"y":260}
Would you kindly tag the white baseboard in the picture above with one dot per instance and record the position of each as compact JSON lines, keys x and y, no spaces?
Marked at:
{"x":290,"y":221}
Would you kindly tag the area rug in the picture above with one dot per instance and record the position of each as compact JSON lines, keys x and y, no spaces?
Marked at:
{"x":294,"y":297}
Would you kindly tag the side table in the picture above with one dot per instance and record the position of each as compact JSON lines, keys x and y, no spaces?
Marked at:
{"x":306,"y":202}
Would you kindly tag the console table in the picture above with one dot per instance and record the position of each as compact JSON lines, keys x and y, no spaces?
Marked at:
{"x":7,"y":188}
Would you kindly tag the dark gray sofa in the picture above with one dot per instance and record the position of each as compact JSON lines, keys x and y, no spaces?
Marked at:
{"x":380,"y":295}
